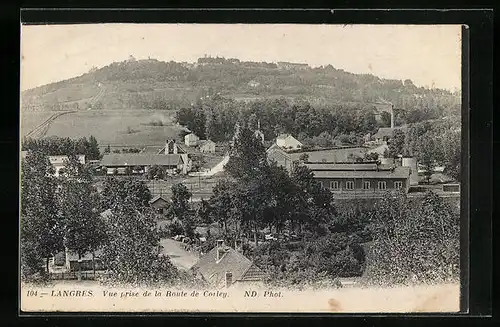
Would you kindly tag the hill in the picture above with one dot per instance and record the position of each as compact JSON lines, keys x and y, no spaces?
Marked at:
{"x":153,"y":84}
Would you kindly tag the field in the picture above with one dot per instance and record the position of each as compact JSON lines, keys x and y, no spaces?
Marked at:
{"x":113,"y":127}
{"x":30,"y":120}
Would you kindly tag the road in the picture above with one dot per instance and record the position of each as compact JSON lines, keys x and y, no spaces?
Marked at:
{"x":181,"y":258}
{"x":43,"y":127}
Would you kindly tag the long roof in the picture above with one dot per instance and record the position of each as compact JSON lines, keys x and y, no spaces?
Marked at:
{"x":398,"y":172}
{"x":330,"y":155}
{"x":342,"y":166}
{"x":232,"y":261}
{"x":140,"y":159}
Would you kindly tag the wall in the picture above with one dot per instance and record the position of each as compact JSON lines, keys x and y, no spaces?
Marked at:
{"x":358,"y":184}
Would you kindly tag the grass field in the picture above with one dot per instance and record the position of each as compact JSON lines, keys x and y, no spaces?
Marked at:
{"x":30,"y":120}
{"x":114,"y":127}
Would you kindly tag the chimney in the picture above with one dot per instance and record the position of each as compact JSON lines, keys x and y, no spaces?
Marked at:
{"x":229,"y":278}
{"x":220,"y":249}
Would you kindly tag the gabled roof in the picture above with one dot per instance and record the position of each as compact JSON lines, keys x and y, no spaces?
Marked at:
{"x":140,"y":159}
{"x":157,"y":198}
{"x":232,"y":261}
{"x":205,"y":142}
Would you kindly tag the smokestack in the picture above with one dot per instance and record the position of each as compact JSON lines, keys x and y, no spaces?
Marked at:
{"x":392,"y":116}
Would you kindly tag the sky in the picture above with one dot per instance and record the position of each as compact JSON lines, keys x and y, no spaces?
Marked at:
{"x":429,"y":55}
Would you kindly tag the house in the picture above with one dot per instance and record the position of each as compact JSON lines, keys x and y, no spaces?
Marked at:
{"x":191,"y":139}
{"x":159,"y":203}
{"x":59,"y":162}
{"x":253,"y":83}
{"x":288,"y":143}
{"x":385,"y":133}
{"x":361,"y":179}
{"x":171,"y":147}
{"x":291,"y":65}
{"x":139,"y":163}
{"x":224,"y":266}
{"x":207,"y":146}
{"x":67,"y":261}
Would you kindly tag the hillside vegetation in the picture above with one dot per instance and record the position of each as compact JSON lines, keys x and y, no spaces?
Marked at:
{"x":153,"y":84}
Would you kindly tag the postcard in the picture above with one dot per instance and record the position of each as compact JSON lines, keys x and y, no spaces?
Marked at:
{"x":240,"y":168}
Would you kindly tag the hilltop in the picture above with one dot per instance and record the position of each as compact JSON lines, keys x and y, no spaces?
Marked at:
{"x":154,"y":84}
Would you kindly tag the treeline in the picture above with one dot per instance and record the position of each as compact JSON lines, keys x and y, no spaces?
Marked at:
{"x":433,"y":143}
{"x":216,"y":117}
{"x":54,"y":146}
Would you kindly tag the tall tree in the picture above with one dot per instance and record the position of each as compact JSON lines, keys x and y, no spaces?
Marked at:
{"x":41,"y":229}
{"x":180,"y":201}
{"x":80,"y":210}
{"x":133,"y":254}
{"x":248,"y":155}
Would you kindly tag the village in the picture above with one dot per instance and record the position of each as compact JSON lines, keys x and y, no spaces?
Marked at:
{"x":361,"y":172}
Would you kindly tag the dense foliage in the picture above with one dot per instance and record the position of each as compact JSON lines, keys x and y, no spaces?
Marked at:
{"x":55,"y":146}
{"x":414,"y":240}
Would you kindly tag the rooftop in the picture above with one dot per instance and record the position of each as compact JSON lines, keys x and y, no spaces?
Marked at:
{"x":398,"y":172}
{"x":232,"y":261}
{"x":140,"y":159}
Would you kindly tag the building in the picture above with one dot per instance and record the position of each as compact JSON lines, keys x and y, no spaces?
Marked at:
{"x":207,"y":146}
{"x":384,"y":134}
{"x":58,"y":162}
{"x":288,"y":143}
{"x":139,"y":163}
{"x":253,"y":83}
{"x":364,"y":179}
{"x":191,"y":139}
{"x":224,"y":266}
{"x":292,"y":66}
{"x":159,"y":203}
{"x":339,"y":154}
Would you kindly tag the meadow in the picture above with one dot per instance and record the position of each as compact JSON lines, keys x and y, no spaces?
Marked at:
{"x":30,"y":120}
{"x":113,"y":127}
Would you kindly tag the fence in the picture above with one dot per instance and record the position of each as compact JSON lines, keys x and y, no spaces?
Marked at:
{"x":73,"y":275}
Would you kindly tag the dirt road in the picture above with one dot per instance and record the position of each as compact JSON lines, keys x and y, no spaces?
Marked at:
{"x":181,"y":258}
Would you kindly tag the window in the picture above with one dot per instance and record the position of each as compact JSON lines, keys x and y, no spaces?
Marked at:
{"x":349,"y":185}
{"x":398,"y":185}
{"x":366,"y":185}
{"x":334,"y":185}
{"x":382,"y":185}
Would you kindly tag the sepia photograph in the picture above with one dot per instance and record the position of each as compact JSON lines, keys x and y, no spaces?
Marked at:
{"x":240,"y":168}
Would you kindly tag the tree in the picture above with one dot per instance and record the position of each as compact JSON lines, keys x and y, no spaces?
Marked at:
{"x":41,"y":229}
{"x":396,"y":144}
{"x":115,"y":190}
{"x":247,"y":157}
{"x":133,"y":253}
{"x":180,"y":201}
{"x":414,"y":240}
{"x":156,"y":172}
{"x":221,"y":203}
{"x":80,"y":210}
{"x":93,"y":152}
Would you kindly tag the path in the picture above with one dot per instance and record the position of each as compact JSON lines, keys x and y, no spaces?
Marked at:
{"x":215,"y":169}
{"x":181,"y":258}
{"x":43,"y":127}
